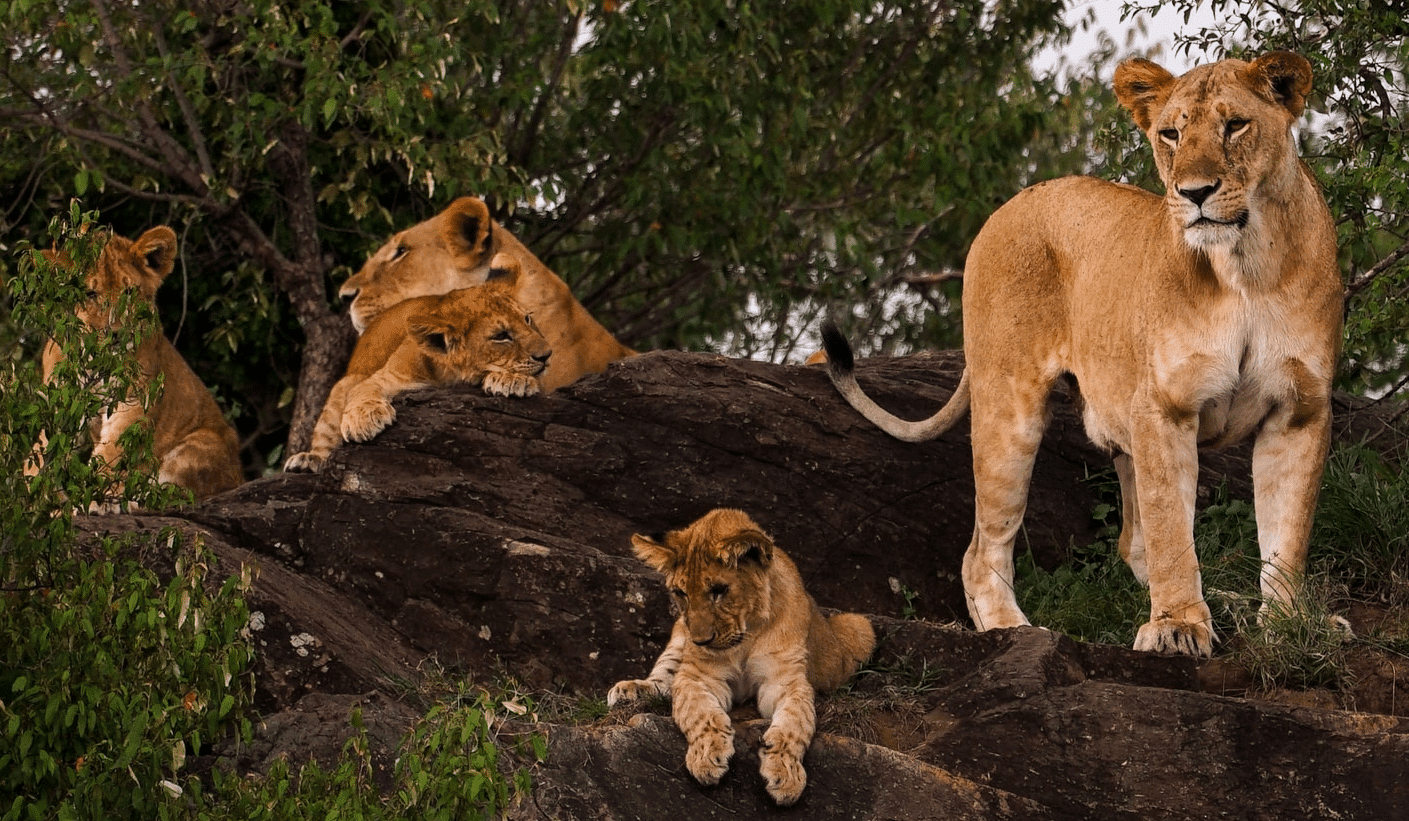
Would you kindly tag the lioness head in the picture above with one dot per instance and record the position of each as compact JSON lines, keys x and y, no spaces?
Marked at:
{"x":136,"y":266}
{"x":482,"y":335}
{"x":1222,"y":138}
{"x":451,"y":250}
{"x":717,"y":572}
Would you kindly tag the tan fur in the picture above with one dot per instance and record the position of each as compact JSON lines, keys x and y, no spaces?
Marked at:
{"x":194,"y":446}
{"x":746,"y":630}
{"x":453,"y":250}
{"x":480,"y":335}
{"x":1200,"y":318}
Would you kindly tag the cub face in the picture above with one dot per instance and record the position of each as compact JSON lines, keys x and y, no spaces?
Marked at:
{"x":1218,"y":132}
{"x":451,"y":250}
{"x":138,"y":266}
{"x":717,"y":573}
{"x":481,"y":335}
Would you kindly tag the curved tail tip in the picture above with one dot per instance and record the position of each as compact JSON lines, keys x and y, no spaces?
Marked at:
{"x":839,"y":356}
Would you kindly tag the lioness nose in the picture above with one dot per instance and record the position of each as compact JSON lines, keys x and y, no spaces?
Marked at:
{"x":1198,"y":194}
{"x":542,"y":358}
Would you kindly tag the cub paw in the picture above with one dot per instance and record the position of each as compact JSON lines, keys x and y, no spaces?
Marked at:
{"x":1176,"y":636}
{"x":636,"y":690}
{"x":708,"y":758}
{"x":305,"y":462}
{"x":365,"y":420}
{"x":509,"y":384}
{"x":782,"y":773}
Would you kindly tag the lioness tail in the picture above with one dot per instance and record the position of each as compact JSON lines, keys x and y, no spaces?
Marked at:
{"x":840,"y":365}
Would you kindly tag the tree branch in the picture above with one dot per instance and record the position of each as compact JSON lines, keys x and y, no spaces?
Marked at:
{"x":1363,"y":281}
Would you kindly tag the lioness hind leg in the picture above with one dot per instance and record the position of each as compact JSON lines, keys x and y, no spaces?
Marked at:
{"x":1132,"y":536}
{"x":202,"y":463}
{"x":1006,"y":430}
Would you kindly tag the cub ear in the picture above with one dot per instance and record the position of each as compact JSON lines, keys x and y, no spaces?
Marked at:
{"x":432,"y":338}
{"x":154,"y":255}
{"x":467,"y":230}
{"x":750,"y":547}
{"x":1283,"y":77}
{"x":504,"y":268}
{"x":1142,"y":87}
{"x":654,"y":551}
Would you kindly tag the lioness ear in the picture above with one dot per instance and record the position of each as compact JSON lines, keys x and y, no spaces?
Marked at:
{"x":1284,"y":77}
{"x":154,"y":254}
{"x":504,"y":268}
{"x":751,"y":546}
{"x":653,"y":551}
{"x":468,"y":230}
{"x":1142,"y":87}
{"x":431,"y":338}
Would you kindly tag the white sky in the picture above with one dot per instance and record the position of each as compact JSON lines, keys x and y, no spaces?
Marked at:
{"x":1159,"y":31}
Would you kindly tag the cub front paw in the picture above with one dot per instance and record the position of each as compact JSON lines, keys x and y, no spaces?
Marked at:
{"x":509,"y":384}
{"x":305,"y":462}
{"x":636,"y":690}
{"x":708,"y":758}
{"x":782,"y":773}
{"x":364,"y":420}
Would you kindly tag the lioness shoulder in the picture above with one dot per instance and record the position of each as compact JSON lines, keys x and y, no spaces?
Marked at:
{"x":454,"y":249}
{"x":747,"y":629}
{"x":480,"y":335}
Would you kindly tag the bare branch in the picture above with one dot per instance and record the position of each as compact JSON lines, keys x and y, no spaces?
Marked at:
{"x":1363,"y":281}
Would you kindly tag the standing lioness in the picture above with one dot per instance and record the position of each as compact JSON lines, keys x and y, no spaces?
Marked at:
{"x":1202,"y":317}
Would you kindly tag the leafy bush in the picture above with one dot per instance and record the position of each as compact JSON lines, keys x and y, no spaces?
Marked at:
{"x":111,"y":675}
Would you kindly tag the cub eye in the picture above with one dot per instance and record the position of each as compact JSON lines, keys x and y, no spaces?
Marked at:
{"x":1235,"y":126}
{"x":503,"y":336}
{"x":400,"y":251}
{"x":677,"y":592}
{"x":1170,"y":135}
{"x":717,"y":590}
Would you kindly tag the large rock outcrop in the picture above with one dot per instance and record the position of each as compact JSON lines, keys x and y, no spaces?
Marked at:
{"x":493,"y":534}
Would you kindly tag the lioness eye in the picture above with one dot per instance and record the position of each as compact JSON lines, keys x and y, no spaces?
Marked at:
{"x":1234,"y":126}
{"x":677,"y":592}
{"x":717,"y":590}
{"x":1170,"y":135}
{"x":399,"y":252}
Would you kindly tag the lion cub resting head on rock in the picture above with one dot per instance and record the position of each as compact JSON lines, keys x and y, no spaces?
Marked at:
{"x":746,"y":629}
{"x":478,"y":335}
{"x":193,"y":444}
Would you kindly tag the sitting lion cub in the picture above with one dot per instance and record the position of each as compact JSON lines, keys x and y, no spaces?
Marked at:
{"x":478,"y":335}
{"x":195,"y":447}
{"x":747,"y":629}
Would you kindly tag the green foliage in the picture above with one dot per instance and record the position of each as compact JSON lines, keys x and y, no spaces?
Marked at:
{"x":1361,"y":532}
{"x":110,"y":674}
{"x":449,"y":769}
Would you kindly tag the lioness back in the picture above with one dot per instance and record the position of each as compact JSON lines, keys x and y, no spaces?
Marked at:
{"x":455,"y":249}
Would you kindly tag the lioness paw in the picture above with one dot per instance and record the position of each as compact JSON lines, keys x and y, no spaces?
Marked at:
{"x":635,"y":690}
{"x":364,"y":420}
{"x":509,"y":384}
{"x":708,"y":758}
{"x":782,"y":773}
{"x":1175,"y":636}
{"x":305,"y":462}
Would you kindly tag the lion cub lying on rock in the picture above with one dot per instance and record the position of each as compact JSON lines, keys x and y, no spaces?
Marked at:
{"x":478,"y":335}
{"x":746,"y":629}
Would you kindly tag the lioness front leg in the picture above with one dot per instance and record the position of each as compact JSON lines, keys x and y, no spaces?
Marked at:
{"x":1166,"y":467}
{"x":662,"y":677}
{"x":789,"y":699}
{"x":701,"y":712}
{"x":1287,"y":462}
